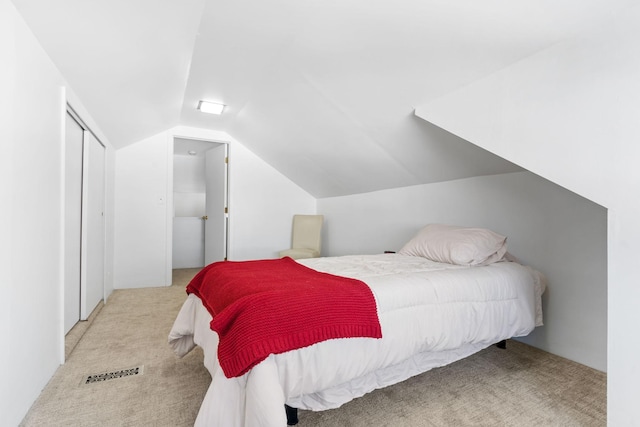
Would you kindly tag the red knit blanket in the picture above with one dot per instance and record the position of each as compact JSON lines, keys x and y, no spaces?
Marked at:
{"x":273,"y":306}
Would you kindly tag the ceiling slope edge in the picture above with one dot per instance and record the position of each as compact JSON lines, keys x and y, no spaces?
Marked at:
{"x":511,"y":114}
{"x":562,"y":113}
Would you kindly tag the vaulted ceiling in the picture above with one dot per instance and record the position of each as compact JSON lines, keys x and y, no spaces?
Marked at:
{"x":324,"y":91}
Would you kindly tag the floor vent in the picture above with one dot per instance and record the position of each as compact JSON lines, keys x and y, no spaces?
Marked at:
{"x":113,"y":375}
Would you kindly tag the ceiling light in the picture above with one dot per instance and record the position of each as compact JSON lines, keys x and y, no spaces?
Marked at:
{"x":210,"y":107}
{"x":192,"y":153}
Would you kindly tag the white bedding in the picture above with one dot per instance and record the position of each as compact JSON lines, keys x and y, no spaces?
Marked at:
{"x":431,"y":314}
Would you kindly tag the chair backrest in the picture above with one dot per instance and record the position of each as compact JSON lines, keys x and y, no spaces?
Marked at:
{"x":307,"y":232}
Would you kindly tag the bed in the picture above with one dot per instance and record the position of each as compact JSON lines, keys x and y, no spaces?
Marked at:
{"x":447,"y":294}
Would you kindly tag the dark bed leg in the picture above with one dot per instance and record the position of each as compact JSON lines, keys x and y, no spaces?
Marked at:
{"x":292,"y":415}
{"x":502,"y":344}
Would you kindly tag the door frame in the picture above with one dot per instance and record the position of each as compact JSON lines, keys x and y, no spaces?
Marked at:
{"x":169,"y":206}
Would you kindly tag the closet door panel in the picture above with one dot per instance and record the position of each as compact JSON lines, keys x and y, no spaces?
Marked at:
{"x":93,"y":224}
{"x":73,"y":209}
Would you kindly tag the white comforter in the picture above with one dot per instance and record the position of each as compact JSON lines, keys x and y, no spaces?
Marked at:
{"x":431,"y":314}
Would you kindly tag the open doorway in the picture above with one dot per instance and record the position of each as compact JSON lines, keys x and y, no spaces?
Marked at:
{"x":200,"y":208}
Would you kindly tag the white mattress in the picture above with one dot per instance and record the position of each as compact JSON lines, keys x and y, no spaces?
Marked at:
{"x":431,"y":314}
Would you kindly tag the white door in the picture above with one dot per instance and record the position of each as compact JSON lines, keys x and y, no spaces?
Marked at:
{"x":215,"y":229}
{"x":93,"y":226}
{"x":73,"y":209}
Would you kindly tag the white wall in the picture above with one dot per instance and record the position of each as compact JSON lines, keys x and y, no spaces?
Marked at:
{"x":142,"y":195}
{"x":261,"y":204}
{"x":32,"y":206}
{"x":188,"y":174}
{"x":549,"y":228}
{"x":31,"y":215}
{"x":189,"y":205}
{"x":189,"y":187}
{"x":570,"y":114}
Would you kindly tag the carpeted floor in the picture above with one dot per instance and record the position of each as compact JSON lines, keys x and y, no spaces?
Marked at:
{"x":520,"y":386}
{"x":130,"y":330}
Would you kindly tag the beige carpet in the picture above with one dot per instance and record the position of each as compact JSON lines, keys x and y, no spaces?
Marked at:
{"x":520,"y":386}
{"x":130,"y":330}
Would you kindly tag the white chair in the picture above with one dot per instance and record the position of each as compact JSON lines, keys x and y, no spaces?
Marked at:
{"x":306,"y":237}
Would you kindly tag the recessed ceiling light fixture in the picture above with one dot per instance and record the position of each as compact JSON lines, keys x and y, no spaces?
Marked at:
{"x":210,"y":107}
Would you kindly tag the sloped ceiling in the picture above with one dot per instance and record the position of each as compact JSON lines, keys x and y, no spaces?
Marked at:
{"x":324,"y":91}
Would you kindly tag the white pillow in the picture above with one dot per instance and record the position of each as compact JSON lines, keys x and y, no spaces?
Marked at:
{"x":457,"y":245}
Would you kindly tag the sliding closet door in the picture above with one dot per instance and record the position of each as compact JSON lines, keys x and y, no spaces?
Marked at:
{"x":93,"y":235}
{"x":73,"y":208}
